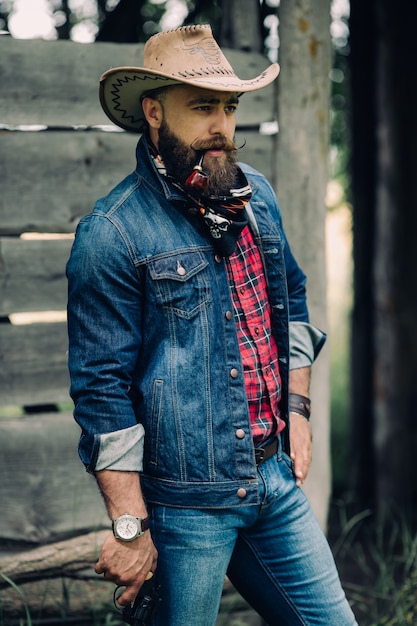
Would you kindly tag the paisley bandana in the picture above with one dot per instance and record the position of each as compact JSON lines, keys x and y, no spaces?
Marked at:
{"x":224,"y":216}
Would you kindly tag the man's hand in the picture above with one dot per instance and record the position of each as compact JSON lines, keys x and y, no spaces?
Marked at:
{"x":301,"y":446}
{"x":127,"y":563}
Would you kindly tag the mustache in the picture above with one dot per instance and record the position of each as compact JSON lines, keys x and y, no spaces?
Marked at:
{"x":216,"y":143}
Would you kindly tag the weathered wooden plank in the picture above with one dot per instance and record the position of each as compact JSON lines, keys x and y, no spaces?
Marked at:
{"x":45,"y":493}
{"x":56,"y":82}
{"x":32,"y":275}
{"x":33,"y":364}
{"x":48,"y":180}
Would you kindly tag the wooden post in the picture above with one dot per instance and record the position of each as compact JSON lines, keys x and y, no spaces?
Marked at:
{"x":301,"y":180}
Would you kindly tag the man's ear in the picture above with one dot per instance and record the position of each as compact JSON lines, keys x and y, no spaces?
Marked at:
{"x":152,"y":111}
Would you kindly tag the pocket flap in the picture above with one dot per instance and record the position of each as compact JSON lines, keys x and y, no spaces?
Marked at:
{"x":179,"y":266}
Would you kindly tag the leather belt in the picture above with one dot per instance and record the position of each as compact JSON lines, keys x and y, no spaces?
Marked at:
{"x":265,"y":453}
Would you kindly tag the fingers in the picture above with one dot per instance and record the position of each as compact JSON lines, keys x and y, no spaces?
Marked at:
{"x":127,"y":564}
{"x":129,"y":594}
{"x":131,"y":591}
{"x":301,"y":468}
{"x":301,"y":447}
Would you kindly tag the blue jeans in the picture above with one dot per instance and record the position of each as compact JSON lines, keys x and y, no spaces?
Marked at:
{"x":275,"y":554}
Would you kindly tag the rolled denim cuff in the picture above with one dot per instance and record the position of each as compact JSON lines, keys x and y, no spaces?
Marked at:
{"x":121,"y":450}
{"x":306,"y":341}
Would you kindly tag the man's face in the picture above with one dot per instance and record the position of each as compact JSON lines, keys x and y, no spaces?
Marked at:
{"x":195,"y":120}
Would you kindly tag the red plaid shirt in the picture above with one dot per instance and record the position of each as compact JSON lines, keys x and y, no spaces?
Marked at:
{"x":258,"y":348}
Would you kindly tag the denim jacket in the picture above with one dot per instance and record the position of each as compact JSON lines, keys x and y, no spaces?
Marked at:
{"x":154,"y":361}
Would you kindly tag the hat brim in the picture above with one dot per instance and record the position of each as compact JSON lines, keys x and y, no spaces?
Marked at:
{"x":122,"y":88}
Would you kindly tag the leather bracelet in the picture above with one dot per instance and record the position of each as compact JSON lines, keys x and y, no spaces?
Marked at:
{"x":299,"y":404}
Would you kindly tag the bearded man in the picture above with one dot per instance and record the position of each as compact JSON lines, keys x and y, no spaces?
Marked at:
{"x":190,"y":356}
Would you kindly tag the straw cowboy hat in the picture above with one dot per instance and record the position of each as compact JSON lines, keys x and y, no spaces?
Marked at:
{"x":188,"y":55}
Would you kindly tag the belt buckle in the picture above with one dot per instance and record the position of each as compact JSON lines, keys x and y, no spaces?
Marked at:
{"x":259,"y":455}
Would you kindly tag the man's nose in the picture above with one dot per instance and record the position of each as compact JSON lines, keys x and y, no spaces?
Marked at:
{"x":219,"y":123}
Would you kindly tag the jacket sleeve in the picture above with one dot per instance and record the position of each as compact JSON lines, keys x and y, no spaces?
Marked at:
{"x":306,"y":341}
{"x":104,"y":322}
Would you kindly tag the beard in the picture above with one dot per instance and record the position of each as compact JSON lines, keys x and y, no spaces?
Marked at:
{"x":180,"y":158}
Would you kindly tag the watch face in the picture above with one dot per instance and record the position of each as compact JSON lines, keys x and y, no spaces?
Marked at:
{"x":127,"y":527}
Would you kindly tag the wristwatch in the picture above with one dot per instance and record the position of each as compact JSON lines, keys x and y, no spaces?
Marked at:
{"x":128,"y":527}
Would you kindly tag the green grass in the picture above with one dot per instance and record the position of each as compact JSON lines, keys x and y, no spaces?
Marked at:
{"x":377,"y":559}
{"x":28,"y":620}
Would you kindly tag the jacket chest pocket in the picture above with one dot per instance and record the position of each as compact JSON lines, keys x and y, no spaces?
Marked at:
{"x":181,"y":283}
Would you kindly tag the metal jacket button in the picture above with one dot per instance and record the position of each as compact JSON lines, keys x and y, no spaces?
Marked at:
{"x":240,"y":433}
{"x":234,"y":373}
{"x":241,"y":492}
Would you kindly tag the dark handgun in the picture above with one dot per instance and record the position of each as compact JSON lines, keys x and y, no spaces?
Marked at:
{"x":140,"y":612}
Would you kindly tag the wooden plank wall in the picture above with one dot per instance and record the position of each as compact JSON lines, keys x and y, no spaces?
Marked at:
{"x":57,"y":156}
